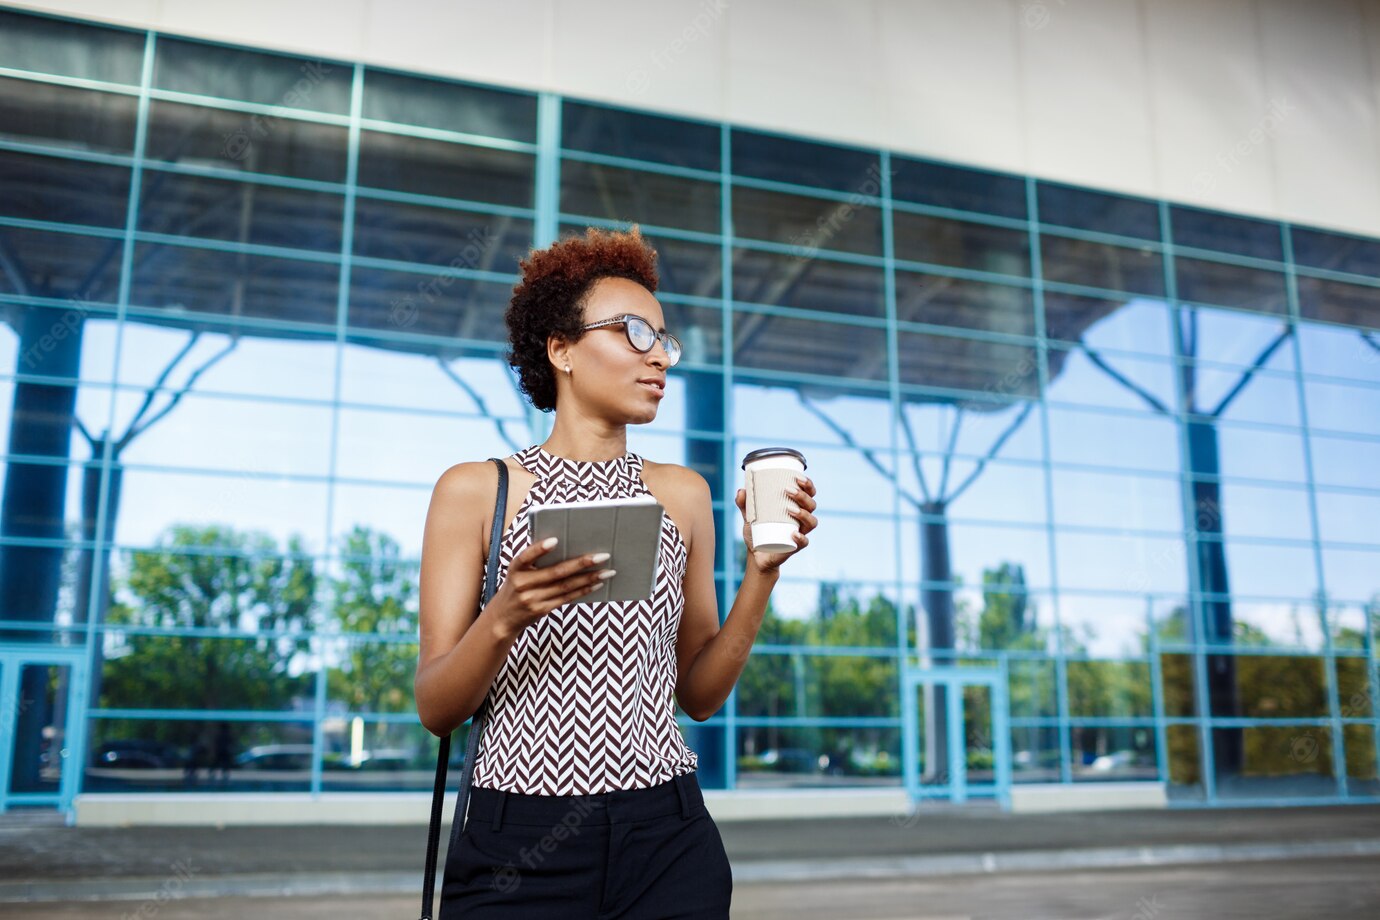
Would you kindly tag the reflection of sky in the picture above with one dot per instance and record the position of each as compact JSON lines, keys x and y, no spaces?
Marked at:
{"x":252,"y":447}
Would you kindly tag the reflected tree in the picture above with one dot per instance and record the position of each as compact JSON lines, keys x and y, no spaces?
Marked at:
{"x":208,"y":583}
{"x":932,"y":503}
{"x":376,"y":608}
{"x":1202,"y":483}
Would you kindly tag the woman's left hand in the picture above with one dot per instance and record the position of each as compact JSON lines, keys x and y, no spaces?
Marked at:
{"x":804,"y":498}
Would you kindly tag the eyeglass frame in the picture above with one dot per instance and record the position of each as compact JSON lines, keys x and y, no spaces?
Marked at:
{"x":661,"y":337}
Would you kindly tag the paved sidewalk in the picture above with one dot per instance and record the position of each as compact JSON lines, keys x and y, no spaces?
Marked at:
{"x":47,"y":863}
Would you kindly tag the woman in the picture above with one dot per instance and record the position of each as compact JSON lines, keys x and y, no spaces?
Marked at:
{"x":584,"y":800}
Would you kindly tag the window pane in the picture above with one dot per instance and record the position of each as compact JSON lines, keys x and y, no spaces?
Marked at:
{"x":1343,"y":406}
{"x":1136,"y":324}
{"x":1334,"y":251}
{"x":1031,"y":688}
{"x":252,"y":76}
{"x":611,"y":193}
{"x":814,"y":413}
{"x":257,"y":143}
{"x":777,"y":343}
{"x":1115,"y":268}
{"x":956,"y":362}
{"x":772,"y":757}
{"x":197,"y":672}
{"x":1069,"y":206}
{"x":972,"y":429}
{"x":1096,"y":624}
{"x":803,"y":220}
{"x":173,"y":755}
{"x":440,"y":236}
{"x":978,"y":554}
{"x":1143,"y":442}
{"x":639,"y":136}
{"x":801,"y":162}
{"x":941,"y":301}
{"x":1351,"y":354}
{"x":1353,"y":574}
{"x":963,"y":244}
{"x":64,"y":116}
{"x":1262,"y":511}
{"x":1114,"y":753}
{"x":66,"y":191}
{"x":946,"y":186}
{"x":1339,"y":302}
{"x":428,"y":304}
{"x":1348,"y":517}
{"x":1092,"y":499}
{"x":241,"y":212}
{"x":73,"y":49}
{"x":974,"y":490}
{"x":1231,"y":285}
{"x":1121,"y":562}
{"x":777,"y":279}
{"x":83,"y":269}
{"x":1241,"y":236}
{"x":446,"y":170}
{"x":1341,"y":461}
{"x":409,"y":100}
{"x":1110,"y":381}
{"x":177,"y":279}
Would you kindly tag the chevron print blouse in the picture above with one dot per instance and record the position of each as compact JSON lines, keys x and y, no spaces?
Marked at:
{"x":585,"y":701}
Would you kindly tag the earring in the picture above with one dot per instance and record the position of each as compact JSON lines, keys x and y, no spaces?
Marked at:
{"x":567,"y":368}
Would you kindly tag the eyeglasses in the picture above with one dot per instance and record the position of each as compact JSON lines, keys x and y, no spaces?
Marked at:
{"x":641,"y":335}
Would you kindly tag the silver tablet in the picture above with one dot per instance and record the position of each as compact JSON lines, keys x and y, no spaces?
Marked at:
{"x":628,"y":529}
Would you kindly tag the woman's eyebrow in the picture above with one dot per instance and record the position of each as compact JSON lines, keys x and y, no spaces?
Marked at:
{"x":645,"y":320}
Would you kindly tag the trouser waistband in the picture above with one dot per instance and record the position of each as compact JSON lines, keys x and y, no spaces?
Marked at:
{"x":679,"y":795}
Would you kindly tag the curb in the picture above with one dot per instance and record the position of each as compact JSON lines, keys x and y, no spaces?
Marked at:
{"x":747,"y":872}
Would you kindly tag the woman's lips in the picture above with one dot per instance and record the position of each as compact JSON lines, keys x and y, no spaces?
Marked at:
{"x":658,"y":389}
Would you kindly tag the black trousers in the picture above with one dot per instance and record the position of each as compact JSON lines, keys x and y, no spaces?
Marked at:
{"x":631,"y":854}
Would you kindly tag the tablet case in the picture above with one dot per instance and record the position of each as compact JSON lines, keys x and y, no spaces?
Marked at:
{"x":628,"y":529}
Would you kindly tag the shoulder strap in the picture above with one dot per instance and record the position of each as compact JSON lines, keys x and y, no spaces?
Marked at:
{"x":438,"y":792}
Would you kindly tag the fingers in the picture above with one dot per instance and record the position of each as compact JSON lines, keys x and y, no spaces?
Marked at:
{"x":529,"y":556}
{"x":527,"y":559}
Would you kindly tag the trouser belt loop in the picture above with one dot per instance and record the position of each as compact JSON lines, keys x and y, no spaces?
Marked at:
{"x":498,"y":811}
{"x":684,"y":799}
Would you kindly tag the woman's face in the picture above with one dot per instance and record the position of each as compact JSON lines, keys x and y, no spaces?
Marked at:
{"x":608,"y":375}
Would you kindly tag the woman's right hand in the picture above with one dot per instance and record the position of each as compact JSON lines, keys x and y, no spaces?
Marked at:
{"x":530,"y":593}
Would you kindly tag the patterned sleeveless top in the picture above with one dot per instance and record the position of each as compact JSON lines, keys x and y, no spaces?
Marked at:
{"x":585,"y":701}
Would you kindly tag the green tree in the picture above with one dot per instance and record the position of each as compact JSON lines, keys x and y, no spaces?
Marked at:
{"x":376,"y":604}
{"x":219,"y":580}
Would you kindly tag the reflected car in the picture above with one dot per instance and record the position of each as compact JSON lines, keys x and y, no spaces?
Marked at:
{"x":791,"y":760}
{"x":136,"y":754}
{"x":378,"y":759}
{"x":276,"y":757}
{"x":1117,"y":760}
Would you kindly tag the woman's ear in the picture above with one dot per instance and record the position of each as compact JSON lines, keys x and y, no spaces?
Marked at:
{"x":558,"y":352}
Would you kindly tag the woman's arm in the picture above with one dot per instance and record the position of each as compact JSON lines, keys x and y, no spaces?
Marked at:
{"x":461,"y":653}
{"x":457,"y":663}
{"x":710,"y":658}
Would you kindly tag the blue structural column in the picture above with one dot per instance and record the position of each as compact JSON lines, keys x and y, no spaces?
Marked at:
{"x":704,"y":413}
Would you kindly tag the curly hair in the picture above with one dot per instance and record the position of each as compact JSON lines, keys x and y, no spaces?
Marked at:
{"x":549,"y":300}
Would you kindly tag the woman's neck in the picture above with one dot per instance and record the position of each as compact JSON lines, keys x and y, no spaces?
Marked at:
{"x":586,"y":439}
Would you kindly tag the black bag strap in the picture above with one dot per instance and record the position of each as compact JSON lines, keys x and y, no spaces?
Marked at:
{"x":438,"y":791}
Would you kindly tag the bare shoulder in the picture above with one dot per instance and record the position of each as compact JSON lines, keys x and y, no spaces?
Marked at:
{"x":464,"y":482}
{"x":676,"y":481}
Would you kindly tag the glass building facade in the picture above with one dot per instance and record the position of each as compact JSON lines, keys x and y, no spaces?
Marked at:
{"x":1098,"y":473}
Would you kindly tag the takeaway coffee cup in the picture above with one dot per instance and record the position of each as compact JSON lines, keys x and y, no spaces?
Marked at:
{"x":769,"y":474}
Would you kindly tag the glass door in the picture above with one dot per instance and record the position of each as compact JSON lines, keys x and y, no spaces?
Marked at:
{"x":42,"y":705}
{"x":955,"y":736}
